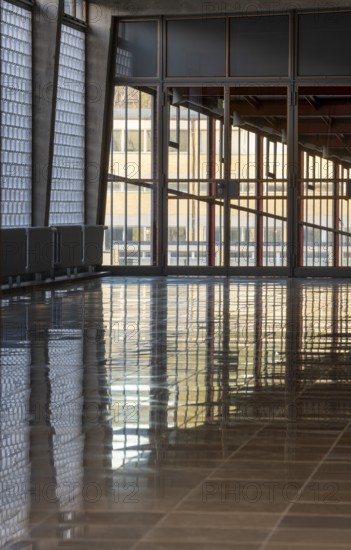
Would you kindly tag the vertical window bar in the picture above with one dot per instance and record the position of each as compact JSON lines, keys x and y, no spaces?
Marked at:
{"x":322,"y":202}
{"x":259,"y":201}
{"x":111,"y":200}
{"x":342,"y":241}
{"x":221,"y":149}
{"x":210,"y":174}
{"x":309,"y":169}
{"x":336,"y":188}
{"x":155,"y":233}
{"x":267,"y":197}
{"x":275,"y":203}
{"x":239,"y":201}
{"x":314,"y":231}
{"x":187,"y":200}
{"x":306,"y":200}
{"x":198,"y":186}
{"x":304,"y":208}
{"x":284,"y":224}
{"x":139,"y":175}
{"x":348,"y":220}
{"x":248,"y":248}
{"x":330,"y":214}
{"x":345,"y":215}
{"x":302,"y":250}
{"x":324,"y":191}
{"x":220,"y":130}
{"x":178,"y":176}
{"x":345,"y":219}
{"x":126,"y":187}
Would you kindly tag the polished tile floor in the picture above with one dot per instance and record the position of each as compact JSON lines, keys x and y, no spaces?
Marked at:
{"x":167,"y":413}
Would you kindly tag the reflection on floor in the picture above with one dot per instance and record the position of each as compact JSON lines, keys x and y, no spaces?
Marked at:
{"x":177,"y":413}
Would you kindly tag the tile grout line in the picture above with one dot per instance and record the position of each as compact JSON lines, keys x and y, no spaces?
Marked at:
{"x":286,"y":511}
{"x":209,"y":476}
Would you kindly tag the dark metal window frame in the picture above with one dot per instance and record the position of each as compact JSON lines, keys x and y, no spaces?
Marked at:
{"x":292,"y":83}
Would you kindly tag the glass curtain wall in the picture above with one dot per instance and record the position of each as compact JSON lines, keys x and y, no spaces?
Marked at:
{"x":253,"y":161}
{"x":199,"y":189}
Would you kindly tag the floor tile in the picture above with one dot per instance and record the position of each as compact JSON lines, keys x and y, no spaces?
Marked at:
{"x":161,"y":413}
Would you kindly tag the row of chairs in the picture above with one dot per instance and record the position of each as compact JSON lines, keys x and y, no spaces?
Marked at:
{"x":35,"y":251}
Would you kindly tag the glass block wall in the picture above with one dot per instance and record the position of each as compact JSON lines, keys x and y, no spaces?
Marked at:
{"x":16,"y":115}
{"x":67,"y":187}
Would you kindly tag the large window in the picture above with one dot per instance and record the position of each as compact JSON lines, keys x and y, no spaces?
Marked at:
{"x":254,"y":160}
{"x":67,"y":187}
{"x":16,"y":115}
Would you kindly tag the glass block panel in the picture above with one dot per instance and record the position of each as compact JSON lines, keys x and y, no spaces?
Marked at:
{"x":16,"y":115}
{"x":67,"y":186}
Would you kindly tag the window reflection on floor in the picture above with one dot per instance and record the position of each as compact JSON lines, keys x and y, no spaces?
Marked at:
{"x":106,"y":383}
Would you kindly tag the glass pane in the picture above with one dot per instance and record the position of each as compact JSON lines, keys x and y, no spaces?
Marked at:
{"x":259,"y":46}
{"x":196,"y":47}
{"x":324,"y":217}
{"x":258,"y":215}
{"x":195,"y":151}
{"x":137,"y":48}
{"x":131,"y":208}
{"x":324,"y":46}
